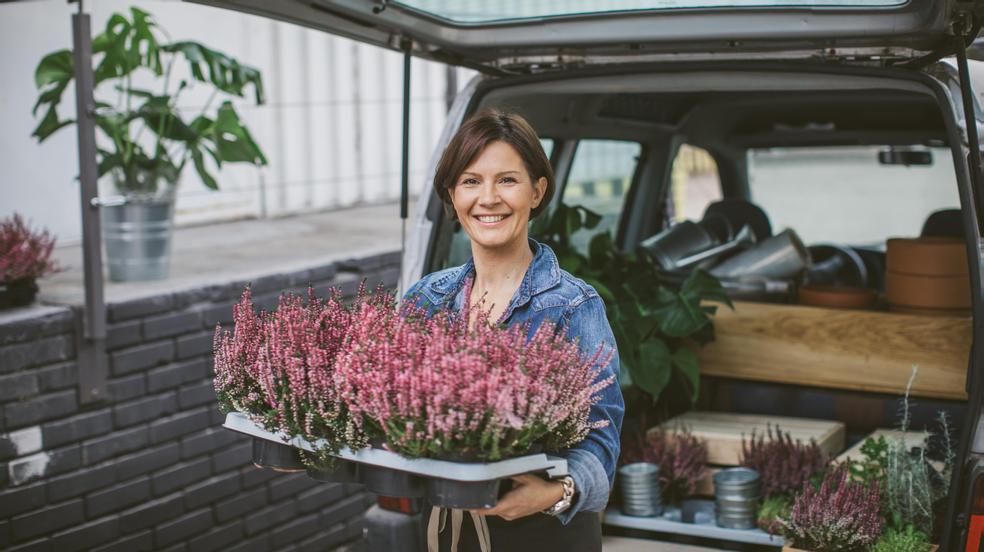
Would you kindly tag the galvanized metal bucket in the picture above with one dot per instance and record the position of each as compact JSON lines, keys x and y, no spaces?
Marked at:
{"x":137,"y":234}
{"x":639,"y":487}
{"x":737,"y":492}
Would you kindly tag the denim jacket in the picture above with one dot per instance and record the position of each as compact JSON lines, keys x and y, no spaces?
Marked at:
{"x":548,"y":293}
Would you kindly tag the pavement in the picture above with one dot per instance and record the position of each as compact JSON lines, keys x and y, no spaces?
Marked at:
{"x":240,"y":250}
{"x":627,"y":544}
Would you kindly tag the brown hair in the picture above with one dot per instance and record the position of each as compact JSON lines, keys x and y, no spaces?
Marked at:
{"x":492,"y":125}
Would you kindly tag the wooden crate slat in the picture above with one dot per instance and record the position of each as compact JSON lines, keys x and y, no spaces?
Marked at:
{"x":843,"y":349}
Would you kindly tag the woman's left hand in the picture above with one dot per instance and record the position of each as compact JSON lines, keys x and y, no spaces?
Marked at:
{"x":530,"y":495}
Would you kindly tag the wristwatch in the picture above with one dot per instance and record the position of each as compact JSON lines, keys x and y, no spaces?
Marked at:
{"x":565,"y":501}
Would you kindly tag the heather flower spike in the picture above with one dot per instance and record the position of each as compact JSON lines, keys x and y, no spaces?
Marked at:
{"x":24,"y":254}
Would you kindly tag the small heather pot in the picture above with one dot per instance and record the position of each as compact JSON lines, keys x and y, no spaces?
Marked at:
{"x":341,"y":471}
{"x":277,"y":456}
{"x":389,"y":482}
{"x":464,"y":495}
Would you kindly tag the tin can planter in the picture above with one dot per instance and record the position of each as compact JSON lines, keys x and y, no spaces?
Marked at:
{"x":390,"y":482}
{"x":342,"y":472}
{"x":736,"y":493}
{"x":276,"y":456}
{"x":464,"y":495}
{"x":639,"y":488}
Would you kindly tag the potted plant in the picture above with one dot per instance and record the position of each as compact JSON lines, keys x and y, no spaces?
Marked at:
{"x":785,"y":466}
{"x":841,"y":515}
{"x":145,"y":141}
{"x":277,"y":369}
{"x":25,"y":256}
{"x":681,"y":457}
{"x":433,"y":388}
{"x":658,"y":325}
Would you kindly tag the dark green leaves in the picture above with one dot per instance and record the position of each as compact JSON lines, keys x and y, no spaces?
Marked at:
{"x":656,"y":324}
{"x":222,"y":71}
{"x":150,"y":139}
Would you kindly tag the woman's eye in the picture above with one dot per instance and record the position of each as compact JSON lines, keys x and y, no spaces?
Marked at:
{"x":469,"y":181}
{"x":508,"y":179}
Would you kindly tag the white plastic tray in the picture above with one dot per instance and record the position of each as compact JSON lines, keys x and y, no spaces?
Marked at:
{"x":441,"y":469}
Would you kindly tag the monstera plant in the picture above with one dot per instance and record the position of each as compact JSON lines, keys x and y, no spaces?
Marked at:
{"x":657,"y":324}
{"x":147,"y":140}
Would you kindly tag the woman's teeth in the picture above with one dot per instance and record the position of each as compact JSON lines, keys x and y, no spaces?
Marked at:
{"x":491,"y":218}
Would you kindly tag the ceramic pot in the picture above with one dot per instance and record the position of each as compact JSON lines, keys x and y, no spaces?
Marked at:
{"x":935,"y":256}
{"x":837,"y":297}
{"x":928,"y":292}
{"x":18,"y":293}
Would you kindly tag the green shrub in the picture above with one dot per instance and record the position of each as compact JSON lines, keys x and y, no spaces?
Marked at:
{"x":907,"y":540}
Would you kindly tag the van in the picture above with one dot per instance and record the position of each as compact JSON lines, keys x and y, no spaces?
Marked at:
{"x":850,"y":121}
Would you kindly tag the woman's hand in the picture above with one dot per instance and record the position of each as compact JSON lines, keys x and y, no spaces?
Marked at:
{"x":530,"y":495}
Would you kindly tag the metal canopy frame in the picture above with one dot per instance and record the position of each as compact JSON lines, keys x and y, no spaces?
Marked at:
{"x":90,"y":335}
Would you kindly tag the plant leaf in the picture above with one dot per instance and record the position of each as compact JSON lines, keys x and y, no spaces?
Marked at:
{"x":686,"y":365}
{"x":233,"y":141}
{"x":224,"y":72}
{"x":207,"y":179}
{"x":653,"y":372}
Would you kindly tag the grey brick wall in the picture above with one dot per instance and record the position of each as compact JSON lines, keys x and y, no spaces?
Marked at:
{"x":149,"y":468}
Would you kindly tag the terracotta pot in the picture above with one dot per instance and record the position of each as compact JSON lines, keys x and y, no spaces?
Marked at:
{"x":934,"y":256}
{"x":928,"y":292}
{"x":837,"y":297}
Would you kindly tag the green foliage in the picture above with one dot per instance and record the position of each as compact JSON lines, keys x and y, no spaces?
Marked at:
{"x":150,"y":140}
{"x":902,"y":540}
{"x":771,"y":511}
{"x":874,"y":462}
{"x":657,"y":325}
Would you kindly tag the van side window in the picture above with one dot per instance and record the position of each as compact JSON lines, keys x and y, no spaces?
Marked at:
{"x":694,"y":183}
{"x":599,"y":179}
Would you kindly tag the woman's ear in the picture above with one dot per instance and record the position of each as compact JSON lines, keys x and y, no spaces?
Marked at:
{"x":539,"y":188}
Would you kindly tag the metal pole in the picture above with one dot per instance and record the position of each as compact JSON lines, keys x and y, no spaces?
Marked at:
{"x":407,"y":46}
{"x":91,"y":337}
{"x":970,"y":119}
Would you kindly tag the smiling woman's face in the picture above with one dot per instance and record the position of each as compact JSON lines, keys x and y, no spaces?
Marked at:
{"x":493,"y":197}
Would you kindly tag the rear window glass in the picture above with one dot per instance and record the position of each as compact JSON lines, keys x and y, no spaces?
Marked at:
{"x":484,"y":11}
{"x":845,"y":195}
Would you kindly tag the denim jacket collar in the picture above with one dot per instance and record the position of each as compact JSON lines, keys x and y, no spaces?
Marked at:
{"x":542,"y":274}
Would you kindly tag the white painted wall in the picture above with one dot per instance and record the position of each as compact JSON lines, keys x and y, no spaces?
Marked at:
{"x":331,"y":126}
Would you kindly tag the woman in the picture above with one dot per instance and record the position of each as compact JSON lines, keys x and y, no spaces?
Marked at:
{"x":495,"y":177}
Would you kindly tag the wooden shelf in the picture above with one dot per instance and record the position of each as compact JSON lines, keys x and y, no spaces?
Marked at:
{"x":842,"y":349}
{"x":615,"y":518}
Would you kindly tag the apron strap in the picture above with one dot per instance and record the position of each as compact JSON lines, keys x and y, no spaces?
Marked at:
{"x":436,"y":523}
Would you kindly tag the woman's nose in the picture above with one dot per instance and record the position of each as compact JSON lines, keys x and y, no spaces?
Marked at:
{"x":489,"y":195}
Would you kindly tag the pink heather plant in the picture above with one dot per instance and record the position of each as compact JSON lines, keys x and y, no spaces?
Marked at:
{"x":24,"y":254}
{"x":435,"y":388}
{"x":784,"y":464}
{"x":841,"y":516}
{"x":681,"y":456}
{"x":277,"y":367}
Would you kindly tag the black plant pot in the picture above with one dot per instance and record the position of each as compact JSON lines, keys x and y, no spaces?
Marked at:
{"x":277,"y":456}
{"x":342,"y":472}
{"x":18,"y":293}
{"x":387,"y":482}
{"x":463,"y":495}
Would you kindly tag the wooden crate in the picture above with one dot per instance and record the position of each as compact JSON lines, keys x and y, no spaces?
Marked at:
{"x":842,"y":349}
{"x":723,"y":432}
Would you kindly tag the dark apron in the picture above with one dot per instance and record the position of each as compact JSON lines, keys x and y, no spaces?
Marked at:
{"x":535,"y":533}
